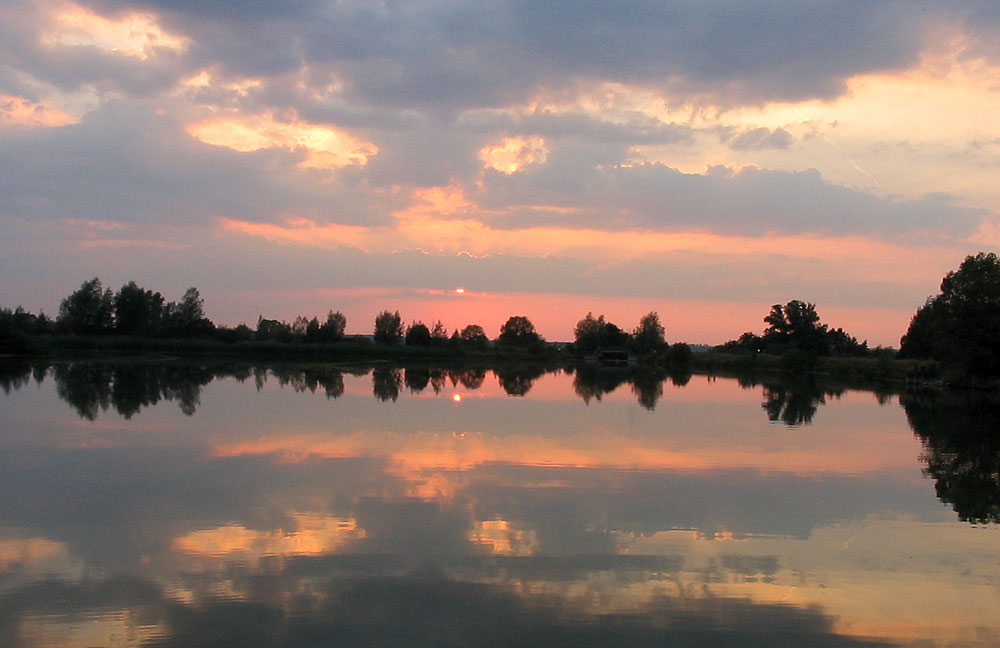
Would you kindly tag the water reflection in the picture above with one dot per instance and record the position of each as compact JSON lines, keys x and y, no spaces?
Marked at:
{"x":343,"y":605}
{"x":517,"y":380}
{"x":92,"y":387}
{"x":961,"y":450}
{"x":95,"y":387}
{"x":592,"y":382}
{"x":594,"y":508}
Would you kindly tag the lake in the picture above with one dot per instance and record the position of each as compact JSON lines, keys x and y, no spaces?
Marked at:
{"x":178,"y":504}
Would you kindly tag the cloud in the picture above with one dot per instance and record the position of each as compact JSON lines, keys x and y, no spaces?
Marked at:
{"x":127,"y":163}
{"x":455,"y":55}
{"x":748,"y":201}
{"x":761,"y":138}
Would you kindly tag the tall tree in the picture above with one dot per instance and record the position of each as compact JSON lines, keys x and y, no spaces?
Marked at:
{"x":417,"y":334}
{"x":519,"y":331}
{"x":137,"y":311}
{"x":388,"y":328}
{"x":187,"y":318}
{"x":474,"y":336}
{"x":796,"y":325}
{"x":332,"y":330}
{"x":648,"y":336}
{"x":88,"y":310}
{"x":962,"y":323}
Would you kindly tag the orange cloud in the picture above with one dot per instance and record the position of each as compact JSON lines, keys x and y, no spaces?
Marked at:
{"x":19,"y":111}
{"x":326,"y":147}
{"x":514,"y":153}
{"x":136,"y":34}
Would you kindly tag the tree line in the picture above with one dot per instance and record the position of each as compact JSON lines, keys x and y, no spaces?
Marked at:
{"x":959,"y":327}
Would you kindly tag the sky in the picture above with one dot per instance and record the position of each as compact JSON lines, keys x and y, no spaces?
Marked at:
{"x":704,"y":160}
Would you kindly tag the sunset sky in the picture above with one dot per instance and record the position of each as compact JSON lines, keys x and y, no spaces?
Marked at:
{"x":701,"y":159}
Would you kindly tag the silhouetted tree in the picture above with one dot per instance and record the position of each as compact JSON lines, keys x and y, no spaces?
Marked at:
{"x":648,"y":337}
{"x":439,"y":334}
{"x":474,"y":336}
{"x":680,"y":355}
{"x":312,"y":330}
{"x":332,"y":330}
{"x":962,"y":323}
{"x":796,"y":328}
{"x":187,"y":318}
{"x":300,"y":326}
{"x":87,"y":311}
{"x":417,"y":334}
{"x":519,"y":331}
{"x":796,"y":325}
{"x":137,"y":311}
{"x":273,"y":330}
{"x":593,"y":333}
{"x":388,"y":328}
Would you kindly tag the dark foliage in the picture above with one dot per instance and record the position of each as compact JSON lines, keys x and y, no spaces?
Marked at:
{"x":795,"y":327}
{"x":961,"y":450}
{"x":962,"y":324}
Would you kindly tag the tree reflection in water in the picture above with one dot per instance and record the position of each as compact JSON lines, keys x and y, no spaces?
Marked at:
{"x":386,"y":383}
{"x":592,"y":382}
{"x":93,"y":387}
{"x":794,"y":402}
{"x":517,"y":381}
{"x":960,"y":432}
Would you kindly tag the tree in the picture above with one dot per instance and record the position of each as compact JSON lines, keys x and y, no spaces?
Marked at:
{"x":388,"y":328}
{"x":332,"y":330}
{"x":593,"y":333}
{"x":187,"y":318}
{"x":519,"y":331}
{"x":962,"y":323}
{"x":137,"y":311}
{"x":648,"y":337}
{"x":796,"y":325}
{"x":587,"y":333}
{"x":439,"y":334}
{"x":87,"y":311}
{"x":300,"y":326}
{"x":269,"y":329}
{"x":312,"y":330}
{"x":417,"y":334}
{"x":473,"y":335}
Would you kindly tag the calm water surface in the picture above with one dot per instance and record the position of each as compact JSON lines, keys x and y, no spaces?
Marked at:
{"x":179,"y":505}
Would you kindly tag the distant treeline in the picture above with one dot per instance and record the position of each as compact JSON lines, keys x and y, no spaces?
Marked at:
{"x":959,"y":328}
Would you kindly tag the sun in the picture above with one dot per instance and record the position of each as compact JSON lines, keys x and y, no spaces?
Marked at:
{"x":460,"y":291}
